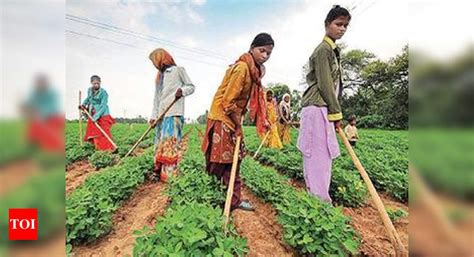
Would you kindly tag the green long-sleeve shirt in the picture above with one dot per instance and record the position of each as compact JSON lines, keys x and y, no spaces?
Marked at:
{"x":324,"y":79}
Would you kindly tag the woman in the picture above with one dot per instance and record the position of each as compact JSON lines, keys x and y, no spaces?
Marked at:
{"x":171,"y":83}
{"x":321,"y":111}
{"x":241,"y":85}
{"x":45,"y":120}
{"x":273,"y":138}
{"x":97,"y":105}
{"x":284,"y":122}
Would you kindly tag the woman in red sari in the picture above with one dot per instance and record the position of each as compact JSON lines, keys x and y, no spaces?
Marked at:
{"x":96,"y":104}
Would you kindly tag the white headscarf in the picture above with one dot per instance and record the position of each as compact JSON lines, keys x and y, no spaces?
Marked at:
{"x":285,"y":107}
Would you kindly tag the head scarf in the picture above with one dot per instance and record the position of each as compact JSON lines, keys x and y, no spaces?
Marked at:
{"x":257,"y":97}
{"x":161,"y":59}
{"x":286,"y":107}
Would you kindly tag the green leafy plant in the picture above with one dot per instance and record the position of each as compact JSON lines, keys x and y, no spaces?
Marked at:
{"x":45,"y":192}
{"x":89,"y":208}
{"x":195,"y":186}
{"x":349,"y":189}
{"x":102,"y":159}
{"x":396,"y":214}
{"x":310,"y":225}
{"x":193,"y":224}
{"x":79,"y":153}
{"x":384,"y":155}
{"x":190,"y":230}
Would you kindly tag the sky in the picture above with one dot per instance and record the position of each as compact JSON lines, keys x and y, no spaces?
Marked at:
{"x":113,"y":39}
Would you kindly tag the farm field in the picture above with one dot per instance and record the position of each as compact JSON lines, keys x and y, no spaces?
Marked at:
{"x":112,"y":209}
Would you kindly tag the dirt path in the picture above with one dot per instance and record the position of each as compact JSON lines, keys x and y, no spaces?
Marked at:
{"x":16,"y":174}
{"x":53,"y":246}
{"x":77,"y":174}
{"x":261,"y":228}
{"x":366,"y":220}
{"x":145,"y":204}
{"x":428,"y":238}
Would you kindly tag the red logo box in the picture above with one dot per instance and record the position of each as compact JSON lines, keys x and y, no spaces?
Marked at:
{"x":23,"y":224}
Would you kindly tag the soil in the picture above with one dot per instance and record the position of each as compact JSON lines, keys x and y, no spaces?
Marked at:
{"x":146,"y":204}
{"x":77,"y":174}
{"x":367,"y":222}
{"x":16,"y":174}
{"x":141,"y":209}
{"x":263,"y":232}
{"x":53,"y":246}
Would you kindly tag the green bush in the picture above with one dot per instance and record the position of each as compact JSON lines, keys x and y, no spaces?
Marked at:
{"x":102,"y":159}
{"x":349,"y":190}
{"x":396,"y":214}
{"x":195,"y":186}
{"x":371,"y":121}
{"x":310,"y":225}
{"x":79,"y":153}
{"x":89,"y":208}
{"x":193,"y":224}
{"x":190,"y":230}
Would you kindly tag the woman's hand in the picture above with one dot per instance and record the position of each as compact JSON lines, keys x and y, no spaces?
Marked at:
{"x":238,"y":131}
{"x":152,"y":123}
{"x":179,"y":93}
{"x":337,"y":125}
{"x":266,"y":124}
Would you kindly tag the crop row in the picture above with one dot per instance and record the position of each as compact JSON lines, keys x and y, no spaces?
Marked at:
{"x":383,"y":154}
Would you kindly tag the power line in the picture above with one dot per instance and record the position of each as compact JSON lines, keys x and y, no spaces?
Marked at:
{"x":100,"y":38}
{"x":138,"y":35}
{"x":142,"y":36}
{"x":132,"y":46}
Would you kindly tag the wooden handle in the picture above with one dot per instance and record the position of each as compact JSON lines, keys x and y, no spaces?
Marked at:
{"x":168,"y":108}
{"x":149,"y":128}
{"x":261,"y":144}
{"x":81,"y":140}
{"x":392,"y":233}
{"x":138,"y":142}
{"x":101,"y":130}
{"x":230,"y":188}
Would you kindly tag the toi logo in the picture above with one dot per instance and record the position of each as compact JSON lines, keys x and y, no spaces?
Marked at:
{"x":23,"y":224}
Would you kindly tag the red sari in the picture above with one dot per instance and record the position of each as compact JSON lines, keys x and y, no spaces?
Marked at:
{"x":47,"y":133}
{"x":93,"y":134}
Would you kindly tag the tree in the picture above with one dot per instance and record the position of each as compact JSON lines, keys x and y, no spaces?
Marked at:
{"x":377,"y":91}
{"x":352,"y":63}
{"x":279,"y":89}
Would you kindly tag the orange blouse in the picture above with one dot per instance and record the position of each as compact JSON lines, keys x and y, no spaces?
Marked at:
{"x":232,"y":95}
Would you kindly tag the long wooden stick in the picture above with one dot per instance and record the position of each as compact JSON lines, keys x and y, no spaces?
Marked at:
{"x":101,"y":130}
{"x":230,"y":189}
{"x":261,"y":144}
{"x":392,"y":233}
{"x":81,"y":139}
{"x":150,"y":128}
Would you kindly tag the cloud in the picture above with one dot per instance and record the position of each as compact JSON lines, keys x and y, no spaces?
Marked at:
{"x":199,"y":2}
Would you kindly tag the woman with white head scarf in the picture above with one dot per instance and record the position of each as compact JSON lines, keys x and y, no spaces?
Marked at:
{"x":284,"y":124}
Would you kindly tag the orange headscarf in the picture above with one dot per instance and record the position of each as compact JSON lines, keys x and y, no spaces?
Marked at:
{"x":161,"y":58}
{"x":257,"y":104}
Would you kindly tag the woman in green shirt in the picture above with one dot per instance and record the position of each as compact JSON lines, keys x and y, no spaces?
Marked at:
{"x":321,"y":109}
